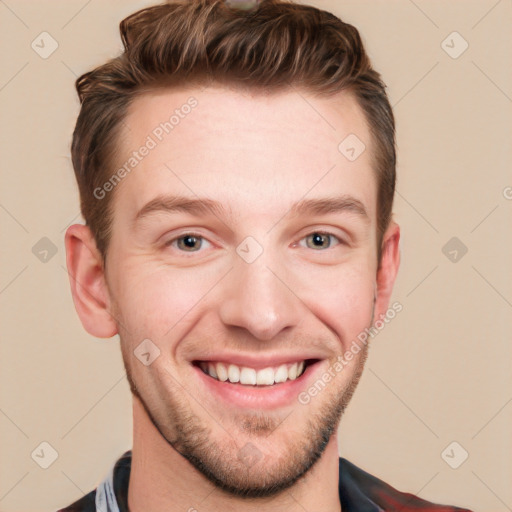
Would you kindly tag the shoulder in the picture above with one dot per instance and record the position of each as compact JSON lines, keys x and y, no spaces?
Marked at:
{"x":84,"y":504}
{"x":120,"y":474}
{"x":359,"y":487}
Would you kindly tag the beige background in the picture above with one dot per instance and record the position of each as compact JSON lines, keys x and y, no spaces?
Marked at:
{"x":440,"y":372}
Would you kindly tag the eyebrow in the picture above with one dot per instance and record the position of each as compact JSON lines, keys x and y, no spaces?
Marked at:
{"x":202,"y":206}
{"x":344,"y":203}
{"x":173,"y":204}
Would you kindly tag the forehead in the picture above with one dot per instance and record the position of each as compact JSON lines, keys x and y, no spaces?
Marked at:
{"x":249,"y":150}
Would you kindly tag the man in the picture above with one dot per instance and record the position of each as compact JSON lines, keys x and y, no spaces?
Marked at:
{"x":236,"y":168}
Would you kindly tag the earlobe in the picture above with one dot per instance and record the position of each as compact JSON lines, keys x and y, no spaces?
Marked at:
{"x":388,"y":269}
{"x":87,"y":280}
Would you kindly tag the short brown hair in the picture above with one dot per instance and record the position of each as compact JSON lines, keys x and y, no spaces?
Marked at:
{"x":270,"y":46}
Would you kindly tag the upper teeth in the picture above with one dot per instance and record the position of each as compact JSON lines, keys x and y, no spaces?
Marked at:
{"x":250,"y":376}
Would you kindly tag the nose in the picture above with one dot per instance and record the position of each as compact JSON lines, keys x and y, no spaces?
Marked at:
{"x":258,"y":298}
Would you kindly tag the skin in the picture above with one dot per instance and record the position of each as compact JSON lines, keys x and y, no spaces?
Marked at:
{"x":257,"y":155}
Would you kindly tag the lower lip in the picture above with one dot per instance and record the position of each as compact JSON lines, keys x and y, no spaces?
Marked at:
{"x":258,"y":397}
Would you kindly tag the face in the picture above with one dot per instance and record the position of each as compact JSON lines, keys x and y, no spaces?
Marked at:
{"x":244,"y":248}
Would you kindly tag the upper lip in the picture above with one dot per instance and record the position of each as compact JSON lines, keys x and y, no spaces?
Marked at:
{"x":258,"y":361}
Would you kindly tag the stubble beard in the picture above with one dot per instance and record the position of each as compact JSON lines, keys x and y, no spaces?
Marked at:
{"x":240,"y":469}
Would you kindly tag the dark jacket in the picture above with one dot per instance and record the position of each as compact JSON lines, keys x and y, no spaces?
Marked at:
{"x":359,"y":492}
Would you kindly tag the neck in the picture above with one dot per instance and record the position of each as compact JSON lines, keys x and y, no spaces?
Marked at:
{"x":161,"y":479}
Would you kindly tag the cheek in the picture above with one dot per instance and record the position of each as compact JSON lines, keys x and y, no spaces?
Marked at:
{"x":157,"y":303}
{"x":343,"y":302}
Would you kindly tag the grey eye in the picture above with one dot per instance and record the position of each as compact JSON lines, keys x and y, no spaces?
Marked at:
{"x":319,"y":240}
{"x":189,"y":243}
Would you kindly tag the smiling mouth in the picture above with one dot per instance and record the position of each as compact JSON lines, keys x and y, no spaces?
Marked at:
{"x":246,"y":376}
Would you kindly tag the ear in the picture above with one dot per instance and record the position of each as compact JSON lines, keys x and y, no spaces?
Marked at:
{"x":387,"y":270}
{"x":87,"y":280}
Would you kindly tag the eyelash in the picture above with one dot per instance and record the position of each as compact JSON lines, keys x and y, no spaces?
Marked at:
{"x":197,"y":235}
